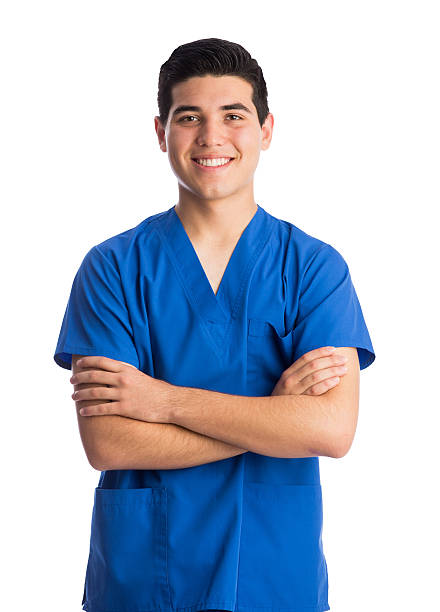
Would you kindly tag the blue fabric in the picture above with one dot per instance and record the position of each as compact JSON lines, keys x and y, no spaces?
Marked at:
{"x":244,"y":533}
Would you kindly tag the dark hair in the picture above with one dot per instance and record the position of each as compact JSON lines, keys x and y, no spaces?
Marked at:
{"x":210,"y":56}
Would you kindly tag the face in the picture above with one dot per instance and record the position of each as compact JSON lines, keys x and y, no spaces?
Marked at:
{"x":210,"y":132}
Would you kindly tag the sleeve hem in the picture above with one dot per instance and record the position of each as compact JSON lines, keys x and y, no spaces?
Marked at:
{"x":63,"y":356}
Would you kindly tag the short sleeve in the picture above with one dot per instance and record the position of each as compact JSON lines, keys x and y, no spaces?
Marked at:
{"x":96,"y":320}
{"x":329,"y":312}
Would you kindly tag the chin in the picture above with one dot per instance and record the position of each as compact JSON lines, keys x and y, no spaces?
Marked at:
{"x":215,"y":195}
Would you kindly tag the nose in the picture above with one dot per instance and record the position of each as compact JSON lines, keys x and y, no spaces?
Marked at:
{"x":210,"y":133}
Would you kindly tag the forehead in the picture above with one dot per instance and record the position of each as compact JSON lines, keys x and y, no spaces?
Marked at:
{"x":212,"y":90}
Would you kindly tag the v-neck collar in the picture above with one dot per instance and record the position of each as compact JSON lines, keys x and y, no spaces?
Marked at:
{"x":224,"y":305}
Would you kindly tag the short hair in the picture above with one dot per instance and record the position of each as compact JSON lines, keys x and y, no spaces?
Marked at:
{"x":212,"y":56}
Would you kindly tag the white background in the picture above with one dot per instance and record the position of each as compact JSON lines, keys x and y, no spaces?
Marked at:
{"x":354,"y":161}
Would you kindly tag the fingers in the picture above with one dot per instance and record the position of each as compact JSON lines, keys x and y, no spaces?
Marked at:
{"x":101,"y":363}
{"x":315,"y":372}
{"x":129,"y":364}
{"x":319,"y":381}
{"x":93,"y":376}
{"x":96,"y":393}
{"x":309,"y":358}
{"x":321,"y":387}
{"x":313,"y":364}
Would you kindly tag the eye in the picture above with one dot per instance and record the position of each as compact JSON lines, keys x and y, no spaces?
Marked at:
{"x":235,"y":116}
{"x":182,"y":120}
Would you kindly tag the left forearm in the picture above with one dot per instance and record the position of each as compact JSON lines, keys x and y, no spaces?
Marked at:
{"x":277,"y":426}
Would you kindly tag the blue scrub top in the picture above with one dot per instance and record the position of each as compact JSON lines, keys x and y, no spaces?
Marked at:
{"x":244,"y":533}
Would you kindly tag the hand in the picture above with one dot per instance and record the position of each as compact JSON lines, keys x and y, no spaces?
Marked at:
{"x":313,"y":373}
{"x":127,"y":391}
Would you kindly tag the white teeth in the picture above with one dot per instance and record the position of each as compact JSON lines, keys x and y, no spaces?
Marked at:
{"x":219,"y":161}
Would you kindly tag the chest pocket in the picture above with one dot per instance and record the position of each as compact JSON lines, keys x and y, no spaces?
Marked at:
{"x":269,"y":353}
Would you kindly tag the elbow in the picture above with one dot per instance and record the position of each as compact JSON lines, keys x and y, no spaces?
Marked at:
{"x":98,"y":465}
{"x":341,"y":444}
{"x":100,"y":458}
{"x":343,"y":434}
{"x":327,"y":444}
{"x":334,"y":444}
{"x":96,"y":437}
{"x":95,"y":460}
{"x":92,"y":452}
{"x":93,"y":449}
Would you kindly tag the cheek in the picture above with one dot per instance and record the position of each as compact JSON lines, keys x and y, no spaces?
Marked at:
{"x":174,"y":157}
{"x":249,"y":144}
{"x":176,"y":143}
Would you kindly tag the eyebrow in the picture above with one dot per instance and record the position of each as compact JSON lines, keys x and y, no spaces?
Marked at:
{"x":235,"y":106}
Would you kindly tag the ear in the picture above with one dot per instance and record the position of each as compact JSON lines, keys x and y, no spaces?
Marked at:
{"x":267,"y":130}
{"x":160,"y":131}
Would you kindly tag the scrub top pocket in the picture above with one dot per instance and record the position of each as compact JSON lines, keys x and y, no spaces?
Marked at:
{"x":269,"y":353}
{"x":127,"y":565}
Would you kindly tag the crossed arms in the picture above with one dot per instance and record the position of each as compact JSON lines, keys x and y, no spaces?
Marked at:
{"x":211,"y":426}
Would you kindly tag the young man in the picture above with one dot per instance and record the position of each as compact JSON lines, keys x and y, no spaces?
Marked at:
{"x":207,"y":392}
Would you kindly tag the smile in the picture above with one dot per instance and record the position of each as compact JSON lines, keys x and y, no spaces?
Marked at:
{"x":213,"y":164}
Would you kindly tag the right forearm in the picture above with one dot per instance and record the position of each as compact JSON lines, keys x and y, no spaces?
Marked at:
{"x":129,"y":444}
